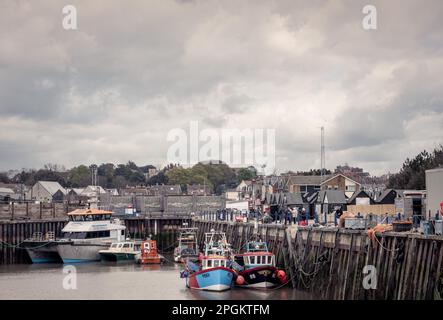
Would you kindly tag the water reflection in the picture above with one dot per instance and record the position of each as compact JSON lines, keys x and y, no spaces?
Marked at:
{"x":112,"y":280}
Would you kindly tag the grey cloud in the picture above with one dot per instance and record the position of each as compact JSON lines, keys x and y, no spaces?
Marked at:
{"x":112,"y":90}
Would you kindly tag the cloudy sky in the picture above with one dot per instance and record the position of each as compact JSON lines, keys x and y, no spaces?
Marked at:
{"x":111,"y":90}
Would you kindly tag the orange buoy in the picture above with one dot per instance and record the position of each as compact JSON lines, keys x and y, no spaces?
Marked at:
{"x":240,"y":280}
{"x":281,"y":275}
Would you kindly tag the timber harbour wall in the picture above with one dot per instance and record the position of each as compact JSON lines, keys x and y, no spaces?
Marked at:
{"x":329,"y":262}
{"x":326,"y":261}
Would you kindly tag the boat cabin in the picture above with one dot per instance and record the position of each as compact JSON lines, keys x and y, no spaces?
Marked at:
{"x":259,"y":259}
{"x":122,"y":246}
{"x":214,"y":262}
{"x":89,"y":215}
{"x":93,"y":224}
{"x":257,"y":254}
{"x":256,"y":247}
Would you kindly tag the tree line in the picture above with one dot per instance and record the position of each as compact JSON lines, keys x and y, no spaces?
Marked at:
{"x":216,"y":176}
{"x":412,"y":173}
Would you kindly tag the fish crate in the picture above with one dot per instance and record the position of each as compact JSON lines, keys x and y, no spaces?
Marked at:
{"x":438,"y":227}
{"x":401,"y":226}
{"x":426,"y":227}
{"x":355,"y":223}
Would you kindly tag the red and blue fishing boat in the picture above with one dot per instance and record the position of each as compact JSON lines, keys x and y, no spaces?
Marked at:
{"x":256,"y":267}
{"x":213,"y":271}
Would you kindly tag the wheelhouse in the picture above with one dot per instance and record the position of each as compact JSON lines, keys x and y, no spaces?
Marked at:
{"x":215,"y":262}
{"x":259,"y":259}
{"x":80,"y":215}
{"x":123,"y":246}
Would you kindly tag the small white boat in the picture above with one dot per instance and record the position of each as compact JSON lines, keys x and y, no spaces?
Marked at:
{"x":120,"y":251}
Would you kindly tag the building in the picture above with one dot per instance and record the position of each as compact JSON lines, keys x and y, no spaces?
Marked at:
{"x":46,"y":191}
{"x":434,"y":188}
{"x":361,"y":197}
{"x":198,"y":189}
{"x":93,"y":191}
{"x":302,"y":184}
{"x":342,"y":183}
{"x":151,"y":172}
{"x":7,"y":194}
{"x":328,"y":201}
{"x":74,"y":195}
{"x":250,"y":189}
{"x":232,"y":195}
{"x":165,"y":190}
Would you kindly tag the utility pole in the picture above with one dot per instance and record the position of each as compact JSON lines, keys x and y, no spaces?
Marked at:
{"x":322,"y":154}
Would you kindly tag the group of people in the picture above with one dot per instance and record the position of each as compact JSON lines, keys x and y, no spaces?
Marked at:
{"x":284,"y":215}
{"x":291,"y":216}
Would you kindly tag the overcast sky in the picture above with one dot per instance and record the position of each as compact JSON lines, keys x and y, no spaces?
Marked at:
{"x":133,"y":70}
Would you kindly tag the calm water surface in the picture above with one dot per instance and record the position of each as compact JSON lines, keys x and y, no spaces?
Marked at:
{"x":116,"y":281}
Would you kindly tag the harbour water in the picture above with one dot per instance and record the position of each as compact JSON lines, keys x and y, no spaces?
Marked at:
{"x":117,"y":281}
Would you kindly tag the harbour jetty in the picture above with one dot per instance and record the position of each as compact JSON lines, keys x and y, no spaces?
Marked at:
{"x":330,"y":262}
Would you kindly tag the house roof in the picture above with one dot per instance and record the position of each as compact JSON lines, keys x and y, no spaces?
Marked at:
{"x":77,"y":191}
{"x":52,"y":186}
{"x":359,"y":194}
{"x":293,"y":198}
{"x":305,"y":180}
{"x":6,"y":190}
{"x":333,"y":196}
{"x":91,"y":189}
{"x":340,"y":174}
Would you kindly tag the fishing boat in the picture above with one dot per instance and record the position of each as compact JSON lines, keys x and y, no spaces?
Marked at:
{"x":257,"y":267}
{"x":42,"y":248}
{"x":187,"y":248}
{"x":214,"y":272}
{"x":120,"y":251}
{"x":87,"y":232}
{"x":149,"y":254}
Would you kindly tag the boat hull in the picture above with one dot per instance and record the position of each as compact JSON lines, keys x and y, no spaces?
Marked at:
{"x":73,"y":252}
{"x":263,"y":277}
{"x":214,"y":279}
{"x":42,"y":251}
{"x":150,"y":260}
{"x":117,"y":256}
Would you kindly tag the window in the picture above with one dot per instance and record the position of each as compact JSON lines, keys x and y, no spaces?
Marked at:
{"x":126,"y":245}
{"x":209,"y":263}
{"x":252,"y":259}
{"x":350,"y":188}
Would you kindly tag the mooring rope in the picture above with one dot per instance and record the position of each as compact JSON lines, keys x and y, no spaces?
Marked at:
{"x":17,"y":246}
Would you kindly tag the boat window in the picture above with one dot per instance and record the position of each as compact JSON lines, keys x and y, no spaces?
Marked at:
{"x":126,"y":245}
{"x":209,"y":263}
{"x":98,"y":234}
{"x":114,"y":245}
{"x":216,"y":263}
{"x":252,"y":259}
